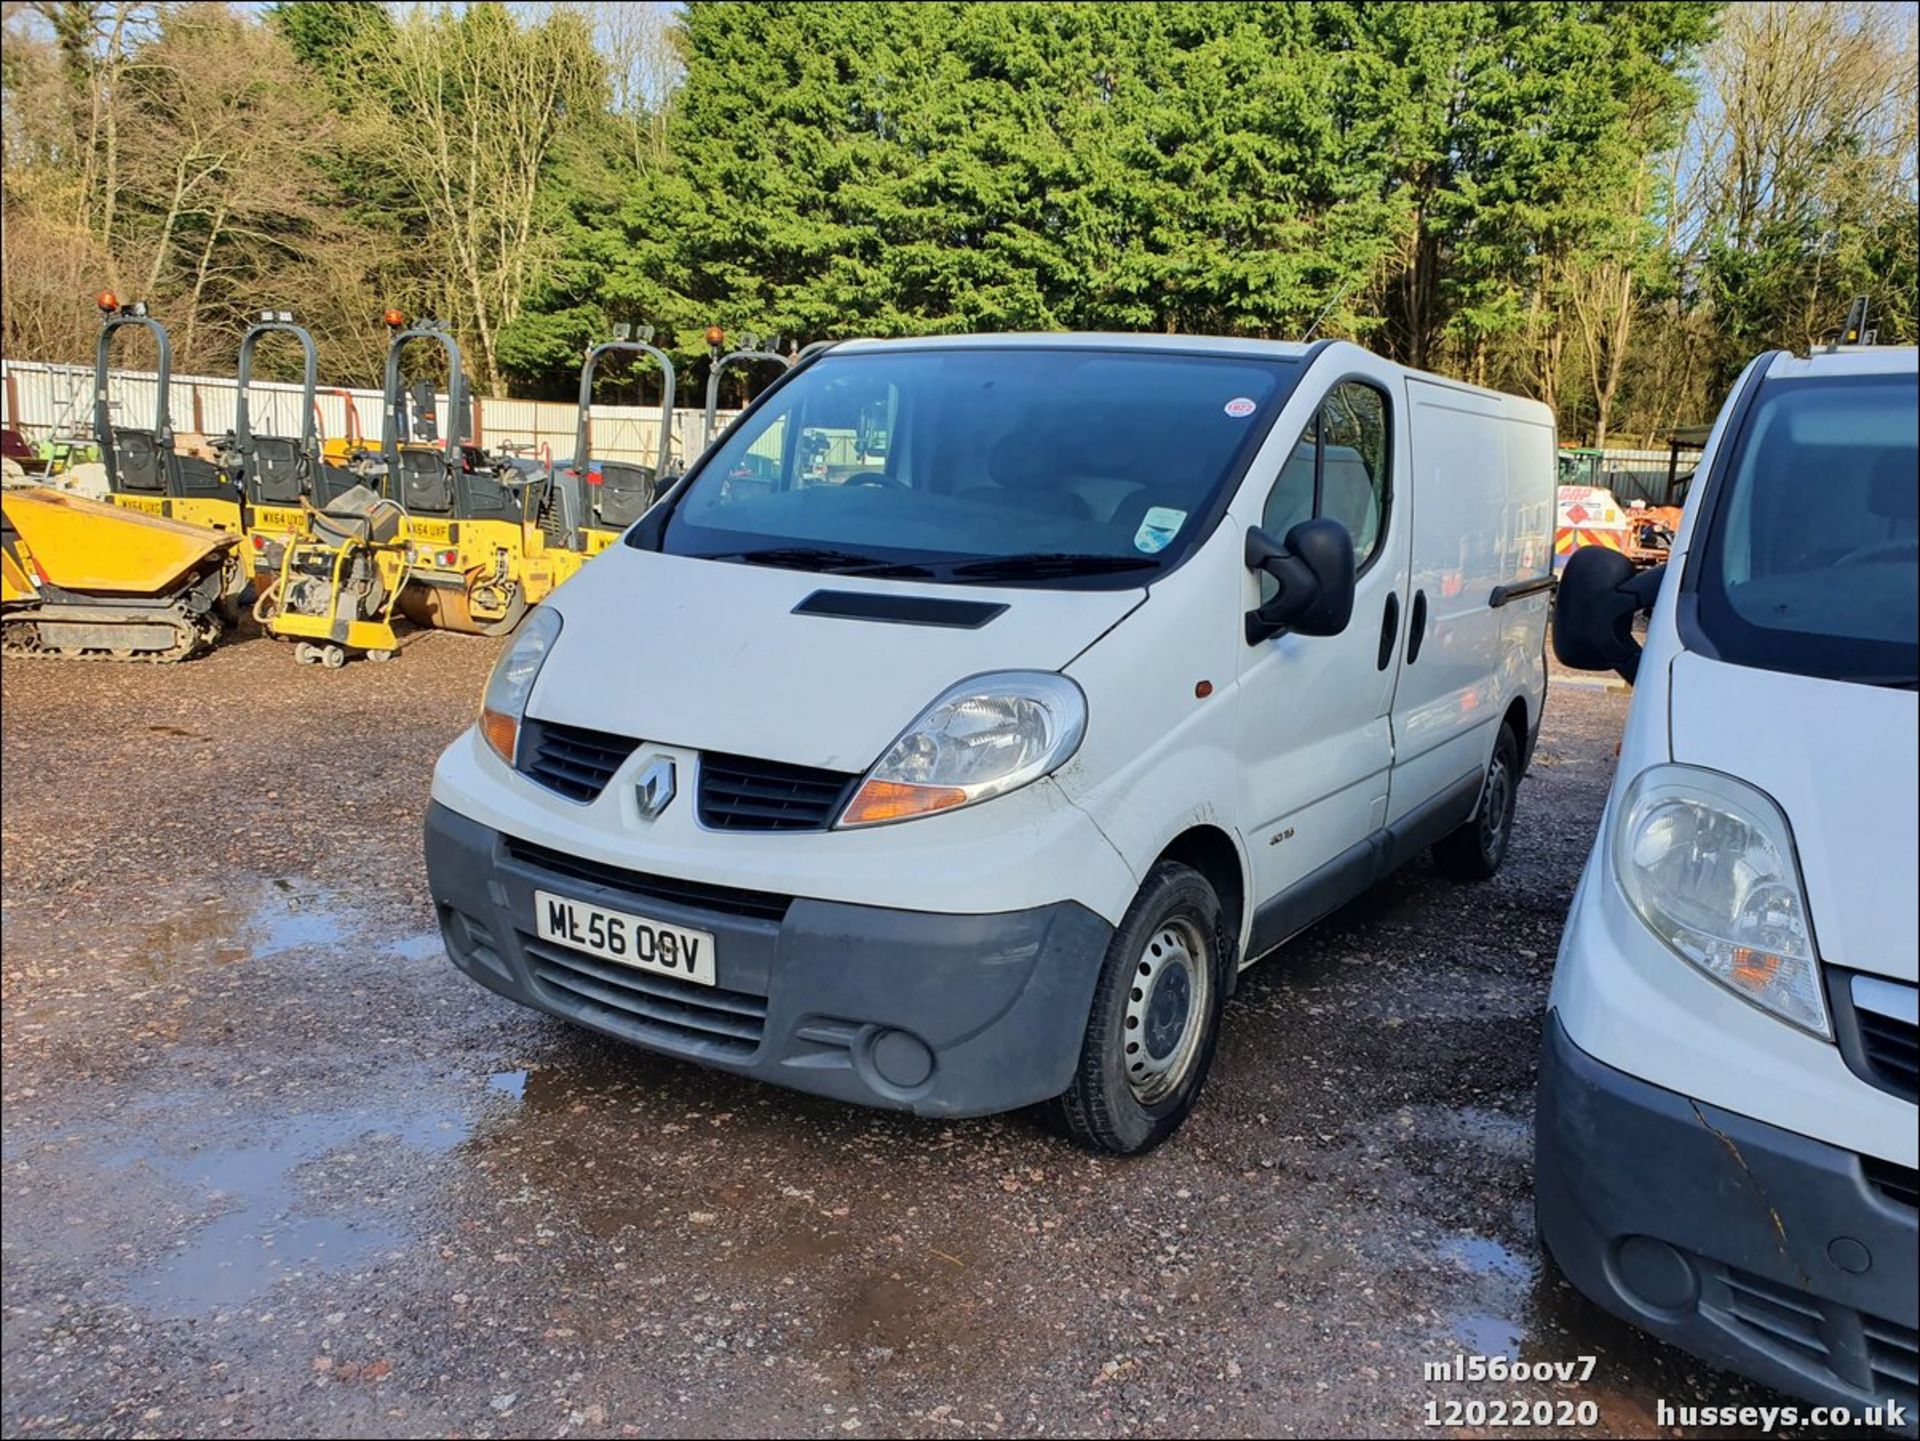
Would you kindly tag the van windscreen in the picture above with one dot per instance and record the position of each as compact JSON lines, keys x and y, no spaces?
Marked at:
{"x":1812,"y":558}
{"x":1021,"y":465}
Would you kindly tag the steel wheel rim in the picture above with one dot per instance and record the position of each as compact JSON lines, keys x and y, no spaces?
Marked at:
{"x":1168,"y":998}
{"x":1493,"y":822}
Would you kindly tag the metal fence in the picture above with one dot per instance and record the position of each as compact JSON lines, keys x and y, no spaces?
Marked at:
{"x":44,"y":401}
{"x":1639,"y":474}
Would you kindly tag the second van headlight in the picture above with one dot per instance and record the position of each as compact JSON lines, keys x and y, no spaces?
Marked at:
{"x":504,"y":705}
{"x":981,"y":738}
{"x":1707,"y":861}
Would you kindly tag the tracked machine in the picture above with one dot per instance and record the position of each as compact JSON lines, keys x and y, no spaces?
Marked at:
{"x":84,"y":580}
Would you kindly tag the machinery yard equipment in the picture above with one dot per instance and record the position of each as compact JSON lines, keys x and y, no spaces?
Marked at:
{"x":280,"y":475}
{"x":84,"y":580}
{"x":753,"y":351}
{"x":144,"y":471}
{"x":591,"y":502}
{"x":477,"y":556}
{"x":340,"y":584}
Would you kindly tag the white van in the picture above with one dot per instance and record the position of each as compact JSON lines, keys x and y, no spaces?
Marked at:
{"x":1725,"y":1143}
{"x":956,"y":729}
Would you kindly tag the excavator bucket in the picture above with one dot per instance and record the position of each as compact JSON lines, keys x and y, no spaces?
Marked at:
{"x":86,"y":581}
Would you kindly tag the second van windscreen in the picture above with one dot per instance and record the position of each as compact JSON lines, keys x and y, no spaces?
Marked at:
{"x":1032,"y":465}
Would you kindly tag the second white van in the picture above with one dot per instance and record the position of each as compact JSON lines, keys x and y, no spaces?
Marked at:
{"x":957,"y":729}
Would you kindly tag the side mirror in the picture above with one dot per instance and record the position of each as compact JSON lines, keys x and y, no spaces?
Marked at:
{"x":1313,"y":568}
{"x":1600,"y":593}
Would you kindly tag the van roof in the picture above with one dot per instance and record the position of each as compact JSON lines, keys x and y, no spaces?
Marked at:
{"x":1167,"y":344}
{"x":1851,"y":360}
{"x":1091,"y":340}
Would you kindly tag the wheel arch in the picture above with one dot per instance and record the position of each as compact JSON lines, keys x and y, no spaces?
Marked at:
{"x":1211,"y":851}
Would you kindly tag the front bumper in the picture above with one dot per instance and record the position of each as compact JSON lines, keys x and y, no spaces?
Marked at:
{"x":1774,"y":1255}
{"x":941,"y":1015}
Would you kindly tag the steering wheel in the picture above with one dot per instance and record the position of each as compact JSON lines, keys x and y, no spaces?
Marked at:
{"x":1880,"y":551}
{"x":875,"y":477}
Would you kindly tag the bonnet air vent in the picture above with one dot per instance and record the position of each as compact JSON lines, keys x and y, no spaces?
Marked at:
{"x":900,"y":609}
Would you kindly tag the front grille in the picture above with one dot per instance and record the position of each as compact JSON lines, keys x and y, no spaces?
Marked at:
{"x":700,"y":895}
{"x":1896,"y":1183}
{"x":738,"y":793}
{"x":1891,"y":1048}
{"x":1873,"y":1022}
{"x":648,"y":1007}
{"x":1881,"y":1356}
{"x":570,"y":760}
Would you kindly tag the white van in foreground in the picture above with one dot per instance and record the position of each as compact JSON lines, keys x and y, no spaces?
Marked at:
{"x":956,"y":729}
{"x":1725,"y":1144}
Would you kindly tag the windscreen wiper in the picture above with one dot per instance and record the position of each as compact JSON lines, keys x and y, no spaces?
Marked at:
{"x":820,"y":558}
{"x":1044,"y":564}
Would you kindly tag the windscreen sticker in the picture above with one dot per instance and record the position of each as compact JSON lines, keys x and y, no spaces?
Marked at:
{"x":1240,"y":407}
{"x":1157,"y":529}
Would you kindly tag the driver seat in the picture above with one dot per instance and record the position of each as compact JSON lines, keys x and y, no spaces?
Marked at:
{"x":625,"y":491}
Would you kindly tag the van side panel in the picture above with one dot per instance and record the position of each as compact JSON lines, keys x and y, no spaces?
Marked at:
{"x":1482,"y":512}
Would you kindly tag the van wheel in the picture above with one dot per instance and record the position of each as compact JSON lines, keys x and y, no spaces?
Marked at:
{"x":1155,"y":1018}
{"x":1475,"y":850}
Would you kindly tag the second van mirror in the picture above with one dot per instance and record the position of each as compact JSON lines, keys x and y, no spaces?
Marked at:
{"x":1313,"y":570}
{"x":1600,"y":594}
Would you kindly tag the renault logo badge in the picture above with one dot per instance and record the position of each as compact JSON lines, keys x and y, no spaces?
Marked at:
{"x":654,"y":789}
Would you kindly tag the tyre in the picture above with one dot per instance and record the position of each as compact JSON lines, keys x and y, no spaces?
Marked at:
{"x":1474,"y":851}
{"x":1155,"y":1020}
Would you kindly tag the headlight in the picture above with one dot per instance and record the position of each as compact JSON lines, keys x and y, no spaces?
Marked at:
{"x":505,"y":701}
{"x":1708,"y":863}
{"x":981,"y":738}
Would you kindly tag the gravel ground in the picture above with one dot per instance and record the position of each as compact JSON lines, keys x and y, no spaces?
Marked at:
{"x":271,"y":1166}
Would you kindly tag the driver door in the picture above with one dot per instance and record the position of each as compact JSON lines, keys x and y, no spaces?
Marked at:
{"x":1315,"y":729}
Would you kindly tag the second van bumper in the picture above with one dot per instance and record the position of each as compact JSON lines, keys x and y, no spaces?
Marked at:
{"x":941,"y":1015}
{"x":1763,"y":1251}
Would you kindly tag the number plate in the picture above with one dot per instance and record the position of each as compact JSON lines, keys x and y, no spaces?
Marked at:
{"x":627,"y":940}
{"x":277,"y":518}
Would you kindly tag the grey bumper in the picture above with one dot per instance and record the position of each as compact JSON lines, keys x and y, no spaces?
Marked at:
{"x":942,"y":1015}
{"x":1773,"y":1255}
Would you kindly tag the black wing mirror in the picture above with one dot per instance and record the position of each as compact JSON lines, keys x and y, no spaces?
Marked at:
{"x":1313,"y":569}
{"x":1600,"y":594}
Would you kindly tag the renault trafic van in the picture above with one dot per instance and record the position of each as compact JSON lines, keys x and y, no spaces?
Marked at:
{"x":955,"y":730}
{"x":1725,"y":1142}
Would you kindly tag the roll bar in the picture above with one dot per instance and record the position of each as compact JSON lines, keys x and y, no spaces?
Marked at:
{"x":458,"y":416}
{"x":102,"y":420}
{"x":733,"y":357}
{"x":660,"y":358}
{"x":309,"y":384}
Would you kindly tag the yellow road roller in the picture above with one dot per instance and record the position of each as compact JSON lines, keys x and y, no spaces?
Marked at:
{"x":477,"y":556}
{"x":83,"y":580}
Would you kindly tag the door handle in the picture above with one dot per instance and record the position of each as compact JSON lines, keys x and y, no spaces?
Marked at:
{"x":1389,"y":628}
{"x":1416,"y":626}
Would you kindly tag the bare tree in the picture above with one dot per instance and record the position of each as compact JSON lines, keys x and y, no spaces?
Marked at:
{"x":470,"y":108}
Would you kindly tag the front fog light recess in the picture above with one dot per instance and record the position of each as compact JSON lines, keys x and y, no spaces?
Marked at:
{"x":980,"y":738}
{"x":504,"y":704}
{"x":1707,"y":862}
